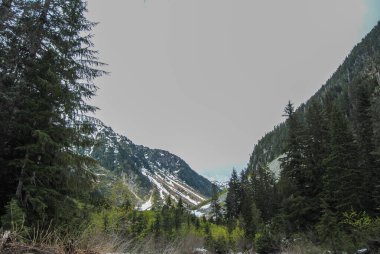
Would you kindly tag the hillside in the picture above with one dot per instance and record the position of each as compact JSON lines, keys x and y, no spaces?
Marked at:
{"x":71,"y":184}
{"x":363,"y":61}
{"x":146,"y":170}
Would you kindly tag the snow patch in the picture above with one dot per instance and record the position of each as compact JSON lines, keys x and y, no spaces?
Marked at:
{"x":147,"y":205}
{"x":198,"y":213}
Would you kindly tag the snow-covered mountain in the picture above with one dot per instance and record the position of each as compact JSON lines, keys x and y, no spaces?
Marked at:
{"x":149,"y":173}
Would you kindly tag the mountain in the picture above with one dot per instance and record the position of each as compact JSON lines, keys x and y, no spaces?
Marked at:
{"x":362,"y":63}
{"x":146,"y":171}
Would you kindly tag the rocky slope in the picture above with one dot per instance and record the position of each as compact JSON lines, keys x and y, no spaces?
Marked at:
{"x":147,"y":172}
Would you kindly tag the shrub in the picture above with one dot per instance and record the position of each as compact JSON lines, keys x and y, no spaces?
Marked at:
{"x":14,"y":218}
{"x":265,"y":242}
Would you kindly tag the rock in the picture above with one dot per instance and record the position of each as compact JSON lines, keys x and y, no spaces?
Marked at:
{"x":4,"y":239}
{"x":200,"y":251}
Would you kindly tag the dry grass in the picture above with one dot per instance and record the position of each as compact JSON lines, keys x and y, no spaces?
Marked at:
{"x":40,"y":242}
{"x":303,"y":248}
{"x":47,"y":242}
{"x":109,"y":243}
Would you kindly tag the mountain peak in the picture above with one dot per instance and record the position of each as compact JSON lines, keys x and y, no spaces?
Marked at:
{"x":148,"y":170}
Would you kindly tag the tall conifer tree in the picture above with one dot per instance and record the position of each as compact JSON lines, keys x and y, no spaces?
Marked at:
{"x":364,"y":130}
{"x":48,"y":74}
{"x":294,"y":176}
{"x":342,"y":180}
{"x":233,"y":198}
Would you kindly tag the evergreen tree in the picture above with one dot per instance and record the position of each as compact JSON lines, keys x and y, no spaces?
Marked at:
{"x":233,"y":198}
{"x":47,"y":74}
{"x":293,"y":179}
{"x":167,"y":224}
{"x":249,"y":213}
{"x":264,"y":192}
{"x":156,"y":205}
{"x":167,"y":216}
{"x":156,"y":227}
{"x":328,"y":228}
{"x":315,"y":150}
{"x":293,"y":164}
{"x":178,"y":214}
{"x":168,"y":202}
{"x":216,"y":213}
{"x":342,"y":180}
{"x":375,"y":115}
{"x":375,"y":112}
{"x":365,"y":138}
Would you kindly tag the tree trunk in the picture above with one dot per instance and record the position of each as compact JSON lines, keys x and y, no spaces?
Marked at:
{"x":22,"y":176}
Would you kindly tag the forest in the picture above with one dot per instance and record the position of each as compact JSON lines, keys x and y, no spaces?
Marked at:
{"x":326,"y":198}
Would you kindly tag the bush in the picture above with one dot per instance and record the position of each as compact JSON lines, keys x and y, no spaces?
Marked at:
{"x":302,"y":244}
{"x":265,"y":242}
{"x":217,"y":245}
{"x":14,"y":218}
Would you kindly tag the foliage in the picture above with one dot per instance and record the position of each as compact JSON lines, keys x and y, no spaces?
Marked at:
{"x":329,"y":151}
{"x":14,"y":218}
{"x":216,"y":209}
{"x":48,"y":69}
{"x":265,"y":242}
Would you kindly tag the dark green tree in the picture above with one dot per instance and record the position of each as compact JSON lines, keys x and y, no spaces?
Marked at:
{"x":156,"y":200}
{"x":294,"y":174}
{"x":364,"y":130}
{"x":179,"y":214}
{"x":167,"y":217}
{"x":216,"y":209}
{"x":249,"y":212}
{"x":315,"y":150}
{"x":48,"y":68}
{"x":156,"y":227}
{"x":342,"y":179}
{"x":375,"y":112}
{"x":233,"y":199}
{"x":329,"y":229}
{"x":264,"y":192}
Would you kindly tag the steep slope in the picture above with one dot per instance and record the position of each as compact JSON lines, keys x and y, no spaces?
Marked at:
{"x":204,"y":208}
{"x":146,"y":170}
{"x":362,"y":62}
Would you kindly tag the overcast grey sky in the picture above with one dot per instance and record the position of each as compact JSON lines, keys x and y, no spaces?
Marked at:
{"x":205,"y":79}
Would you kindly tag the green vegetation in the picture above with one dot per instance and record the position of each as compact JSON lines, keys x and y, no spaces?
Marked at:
{"x":47,"y":73}
{"x":327,"y":193}
{"x":329,"y":177}
{"x":327,"y":197}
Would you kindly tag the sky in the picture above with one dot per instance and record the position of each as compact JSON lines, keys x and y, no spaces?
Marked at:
{"x":206,"y":79}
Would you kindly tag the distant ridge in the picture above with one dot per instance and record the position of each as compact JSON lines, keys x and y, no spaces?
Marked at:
{"x":146,"y":170}
{"x":363,"y":61}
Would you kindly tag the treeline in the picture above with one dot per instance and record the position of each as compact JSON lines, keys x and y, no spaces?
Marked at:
{"x":329,"y":185}
{"x":47,"y":68}
{"x":164,"y":224}
{"x":364,"y":59}
{"x":331,"y":148}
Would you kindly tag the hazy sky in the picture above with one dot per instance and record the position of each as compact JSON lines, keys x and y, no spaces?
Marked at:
{"x":205,"y":79}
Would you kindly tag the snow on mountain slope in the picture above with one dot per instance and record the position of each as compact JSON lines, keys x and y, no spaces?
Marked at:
{"x":169,"y":184}
{"x":146,"y":205}
{"x":145,"y":170}
{"x":275,"y":166}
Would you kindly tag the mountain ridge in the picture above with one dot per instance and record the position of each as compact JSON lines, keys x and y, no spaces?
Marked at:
{"x":362,"y":61}
{"x":145,"y":170}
